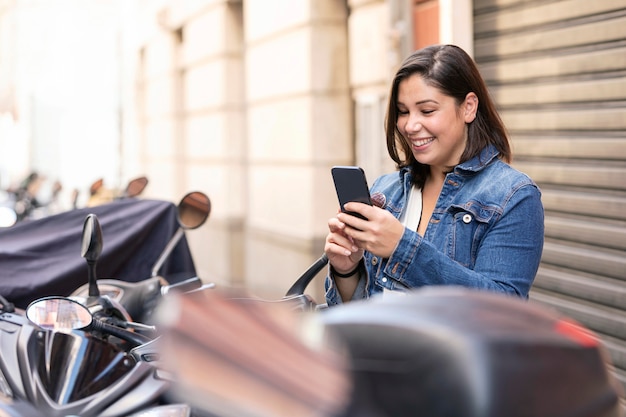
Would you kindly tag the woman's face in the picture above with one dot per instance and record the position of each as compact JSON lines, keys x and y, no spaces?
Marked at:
{"x":432,"y":123}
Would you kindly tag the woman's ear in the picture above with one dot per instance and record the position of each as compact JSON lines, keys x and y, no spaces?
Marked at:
{"x":470,"y":107}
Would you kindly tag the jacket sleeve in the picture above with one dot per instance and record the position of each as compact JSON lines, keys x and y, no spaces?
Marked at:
{"x":507,"y":258}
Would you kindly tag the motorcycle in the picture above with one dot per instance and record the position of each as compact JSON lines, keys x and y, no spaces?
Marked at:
{"x":33,"y":199}
{"x":99,"y":194}
{"x":85,"y":354}
{"x":139,"y":299}
{"x":39,"y":258}
{"x":440,"y":351}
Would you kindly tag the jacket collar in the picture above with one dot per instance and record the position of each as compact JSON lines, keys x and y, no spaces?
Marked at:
{"x":477,"y":163}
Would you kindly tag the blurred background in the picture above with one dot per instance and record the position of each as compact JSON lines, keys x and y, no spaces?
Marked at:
{"x":252,"y":102}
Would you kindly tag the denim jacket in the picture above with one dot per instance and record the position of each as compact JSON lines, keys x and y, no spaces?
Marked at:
{"x":486,"y":232}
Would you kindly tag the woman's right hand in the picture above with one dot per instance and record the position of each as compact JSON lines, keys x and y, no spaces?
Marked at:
{"x":340,"y":249}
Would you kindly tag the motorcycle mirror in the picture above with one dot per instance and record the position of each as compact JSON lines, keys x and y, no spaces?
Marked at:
{"x":59,"y":314}
{"x":64,"y":314}
{"x":96,"y":186}
{"x":92,"y":238}
{"x":136,"y":187}
{"x":91,"y":249}
{"x":193,"y":210}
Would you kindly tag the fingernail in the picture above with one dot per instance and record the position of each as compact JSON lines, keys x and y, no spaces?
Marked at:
{"x":347,"y":253}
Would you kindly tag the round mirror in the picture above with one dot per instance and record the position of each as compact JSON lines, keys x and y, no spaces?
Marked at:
{"x":193,"y":210}
{"x":136,"y":187}
{"x":96,"y":186}
{"x":59,"y":313}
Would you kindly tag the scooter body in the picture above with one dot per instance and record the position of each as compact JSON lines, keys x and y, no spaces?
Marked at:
{"x":452,"y":352}
{"x":432,"y":352}
{"x":48,"y":373}
{"x":84,"y":355}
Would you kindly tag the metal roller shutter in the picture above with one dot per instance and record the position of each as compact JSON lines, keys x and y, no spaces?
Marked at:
{"x":557,"y":70}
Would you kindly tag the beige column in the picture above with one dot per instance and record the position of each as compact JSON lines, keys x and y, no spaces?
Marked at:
{"x":215,"y":135}
{"x":298,"y":126}
{"x":377,"y":33}
{"x":456,"y":23}
{"x":197,"y":141}
{"x":157,"y":111}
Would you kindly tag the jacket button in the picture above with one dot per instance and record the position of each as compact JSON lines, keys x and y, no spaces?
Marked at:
{"x":467,"y":218}
{"x":374,"y":261}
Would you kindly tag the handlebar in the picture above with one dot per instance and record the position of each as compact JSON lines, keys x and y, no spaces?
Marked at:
{"x":301,"y":283}
{"x":187,"y":285}
{"x":136,"y":339}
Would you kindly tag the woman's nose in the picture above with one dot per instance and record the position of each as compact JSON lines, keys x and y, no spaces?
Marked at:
{"x":413,"y":124}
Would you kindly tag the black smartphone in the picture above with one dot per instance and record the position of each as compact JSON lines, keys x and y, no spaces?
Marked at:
{"x":351,"y":185}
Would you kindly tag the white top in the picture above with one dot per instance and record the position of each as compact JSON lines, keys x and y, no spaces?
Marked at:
{"x":413,"y":213}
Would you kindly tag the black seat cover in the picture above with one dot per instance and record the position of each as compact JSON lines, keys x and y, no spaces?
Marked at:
{"x":43,"y":257}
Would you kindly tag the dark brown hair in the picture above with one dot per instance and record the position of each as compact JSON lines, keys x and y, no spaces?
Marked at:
{"x":451,"y":70}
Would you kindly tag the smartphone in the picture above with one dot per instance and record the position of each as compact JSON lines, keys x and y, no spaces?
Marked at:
{"x":351,"y":185}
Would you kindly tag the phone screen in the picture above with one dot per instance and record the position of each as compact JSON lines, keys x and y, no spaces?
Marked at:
{"x":351,"y":185}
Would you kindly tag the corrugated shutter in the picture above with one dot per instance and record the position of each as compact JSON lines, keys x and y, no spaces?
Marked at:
{"x":557,"y":70}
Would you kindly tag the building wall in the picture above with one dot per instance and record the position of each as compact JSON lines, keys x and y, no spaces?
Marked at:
{"x":253,"y":102}
{"x":248,"y":102}
{"x":298,"y":125}
{"x":373,"y":53}
{"x":192,"y":119}
{"x":58,"y":93}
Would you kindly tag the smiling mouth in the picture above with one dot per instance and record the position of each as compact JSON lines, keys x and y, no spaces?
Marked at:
{"x":422,"y":142}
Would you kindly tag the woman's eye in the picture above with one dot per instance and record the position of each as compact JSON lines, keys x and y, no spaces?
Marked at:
{"x":427,"y":111}
{"x":402,"y":111}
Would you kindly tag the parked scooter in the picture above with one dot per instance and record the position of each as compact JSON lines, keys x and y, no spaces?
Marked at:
{"x":33,"y":199}
{"x":85,"y":355}
{"x":434,"y":352}
{"x":99,"y":194}
{"x":139,"y":299}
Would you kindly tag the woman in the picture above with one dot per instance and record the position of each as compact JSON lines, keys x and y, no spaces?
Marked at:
{"x":455,"y":213}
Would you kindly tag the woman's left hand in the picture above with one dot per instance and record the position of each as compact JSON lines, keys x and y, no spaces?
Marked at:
{"x":379,"y":234}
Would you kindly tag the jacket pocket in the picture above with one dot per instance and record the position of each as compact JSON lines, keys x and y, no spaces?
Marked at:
{"x":470,"y":224}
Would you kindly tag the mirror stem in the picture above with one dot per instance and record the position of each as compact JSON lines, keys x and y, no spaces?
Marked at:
{"x":166,"y":252}
{"x":92,"y":280}
{"x":300,"y":285}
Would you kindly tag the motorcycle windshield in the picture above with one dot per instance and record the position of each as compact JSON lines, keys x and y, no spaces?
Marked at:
{"x":75,"y":365}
